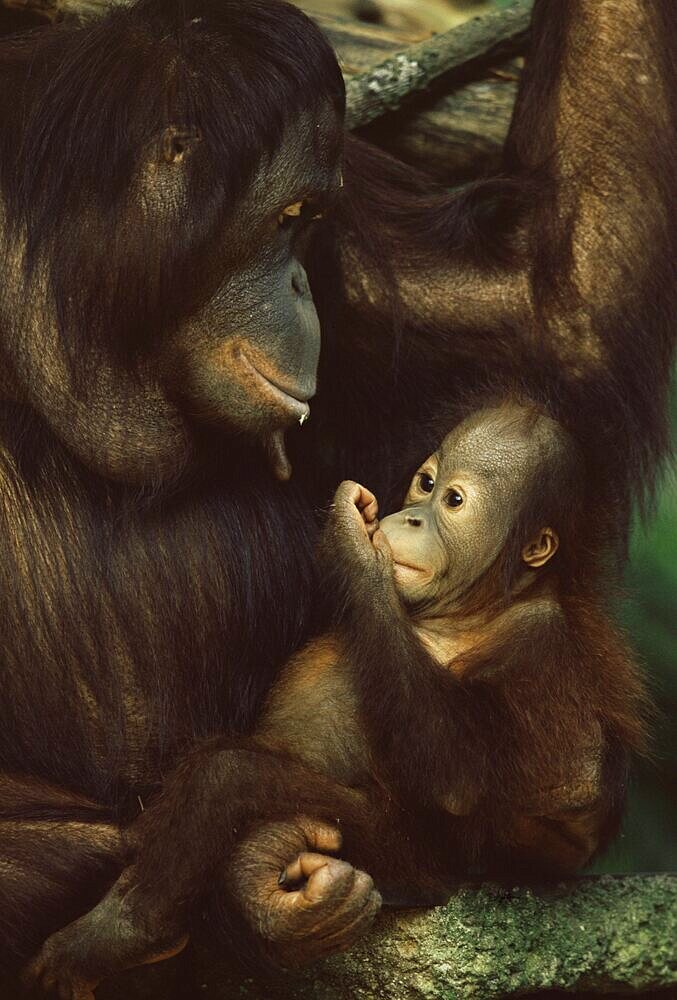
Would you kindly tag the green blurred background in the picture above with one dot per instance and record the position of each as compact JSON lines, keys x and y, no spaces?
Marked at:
{"x":649,"y":838}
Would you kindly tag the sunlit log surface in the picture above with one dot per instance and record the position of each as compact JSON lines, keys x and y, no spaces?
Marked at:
{"x":382,"y":89}
{"x":595,"y":935}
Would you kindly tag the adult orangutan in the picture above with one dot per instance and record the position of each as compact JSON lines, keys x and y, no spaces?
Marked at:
{"x":166,"y":274}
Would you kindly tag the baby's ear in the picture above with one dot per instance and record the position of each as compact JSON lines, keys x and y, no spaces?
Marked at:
{"x":540,"y":549}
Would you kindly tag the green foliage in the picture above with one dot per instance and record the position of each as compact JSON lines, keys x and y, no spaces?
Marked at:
{"x":649,"y":839}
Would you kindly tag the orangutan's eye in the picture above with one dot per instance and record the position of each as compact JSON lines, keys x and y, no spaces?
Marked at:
{"x":306,"y":211}
{"x":454,"y":499}
{"x":288,"y":214}
{"x":426,"y":482}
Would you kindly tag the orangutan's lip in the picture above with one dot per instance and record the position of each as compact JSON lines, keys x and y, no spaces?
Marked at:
{"x":297,"y":407}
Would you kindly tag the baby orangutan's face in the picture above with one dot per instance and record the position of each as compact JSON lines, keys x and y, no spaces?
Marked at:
{"x":462,"y":504}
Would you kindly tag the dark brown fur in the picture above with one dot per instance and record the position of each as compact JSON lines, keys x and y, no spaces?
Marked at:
{"x":139,"y":616}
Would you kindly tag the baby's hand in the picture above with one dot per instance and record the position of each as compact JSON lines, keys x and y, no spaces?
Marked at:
{"x":355,"y":510}
{"x":355,"y":532}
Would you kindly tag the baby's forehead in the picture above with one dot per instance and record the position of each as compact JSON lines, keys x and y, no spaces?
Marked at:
{"x":497,"y":439}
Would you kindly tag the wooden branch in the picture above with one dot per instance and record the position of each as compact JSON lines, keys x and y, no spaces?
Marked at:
{"x":597,"y":935}
{"x":44,"y":8}
{"x":384,"y":88}
{"x":453,"y":134}
{"x":53,"y":10}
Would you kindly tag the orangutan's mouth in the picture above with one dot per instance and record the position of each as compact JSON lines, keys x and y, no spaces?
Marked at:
{"x":291,"y":402}
{"x":295,"y":405}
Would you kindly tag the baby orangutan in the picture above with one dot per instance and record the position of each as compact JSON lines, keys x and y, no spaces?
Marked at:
{"x":470,"y":714}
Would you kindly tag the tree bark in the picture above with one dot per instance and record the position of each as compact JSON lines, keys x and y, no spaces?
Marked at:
{"x":54,"y":9}
{"x":383,"y":88}
{"x":598,"y":935}
{"x":456,"y":128}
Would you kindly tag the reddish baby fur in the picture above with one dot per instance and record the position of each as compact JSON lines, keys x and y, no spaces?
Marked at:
{"x":494,"y":742}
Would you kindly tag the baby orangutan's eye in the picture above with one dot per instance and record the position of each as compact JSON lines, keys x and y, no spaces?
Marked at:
{"x":453,"y":499}
{"x":426,"y":483}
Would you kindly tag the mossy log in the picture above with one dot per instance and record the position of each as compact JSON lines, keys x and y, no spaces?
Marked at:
{"x":600,"y":934}
{"x":593,"y":936}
